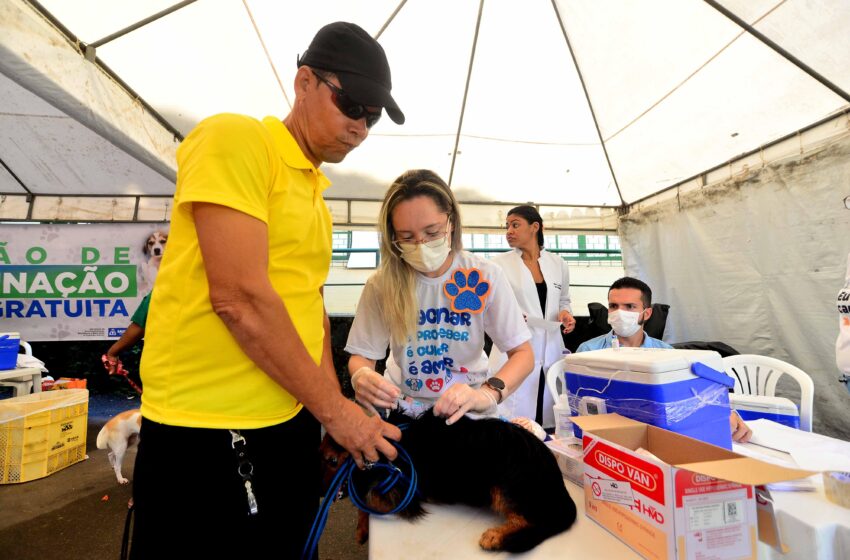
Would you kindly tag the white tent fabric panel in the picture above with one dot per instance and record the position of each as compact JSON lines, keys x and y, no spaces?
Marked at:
{"x":8,"y":184}
{"x":756,"y":262}
{"x":814,"y":31}
{"x":50,"y":152}
{"x":679,"y":88}
{"x":675,"y":87}
{"x":38,"y":58}
{"x":498,"y":171}
{"x":198,"y":61}
{"x":737,"y":106}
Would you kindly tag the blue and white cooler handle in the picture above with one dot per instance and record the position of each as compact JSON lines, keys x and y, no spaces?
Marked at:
{"x":701,"y":370}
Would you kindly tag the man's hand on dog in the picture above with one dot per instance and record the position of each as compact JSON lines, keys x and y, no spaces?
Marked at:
{"x":361,"y":435}
{"x":372,"y":390}
{"x":460,"y":398}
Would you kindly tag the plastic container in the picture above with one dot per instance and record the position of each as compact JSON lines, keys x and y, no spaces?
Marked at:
{"x":42,"y":433}
{"x":563,"y":415}
{"x":569,"y":455}
{"x":836,"y":486}
{"x":777,"y":409}
{"x":653,"y":385}
{"x":10,"y":344}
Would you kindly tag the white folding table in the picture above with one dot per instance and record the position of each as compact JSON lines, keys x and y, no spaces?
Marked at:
{"x":17,"y":378}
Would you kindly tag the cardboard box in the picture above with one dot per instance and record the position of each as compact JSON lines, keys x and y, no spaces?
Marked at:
{"x":687,"y":500}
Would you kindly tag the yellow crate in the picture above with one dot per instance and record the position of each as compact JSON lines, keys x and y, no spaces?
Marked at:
{"x":42,"y":433}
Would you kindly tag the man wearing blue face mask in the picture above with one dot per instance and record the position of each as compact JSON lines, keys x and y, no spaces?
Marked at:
{"x":629,"y":307}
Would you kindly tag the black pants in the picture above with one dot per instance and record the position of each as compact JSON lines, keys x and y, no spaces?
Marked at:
{"x":190,"y":502}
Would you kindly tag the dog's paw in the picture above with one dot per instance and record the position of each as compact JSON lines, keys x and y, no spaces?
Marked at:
{"x":362,"y":532}
{"x":123,"y":481}
{"x":466,"y":290}
{"x":491,"y":539}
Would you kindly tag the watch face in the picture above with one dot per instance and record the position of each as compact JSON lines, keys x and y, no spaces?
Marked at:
{"x":496,"y":382}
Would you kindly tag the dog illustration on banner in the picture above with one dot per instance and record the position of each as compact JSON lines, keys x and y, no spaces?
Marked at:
{"x":153,"y":249}
{"x":485,"y":463}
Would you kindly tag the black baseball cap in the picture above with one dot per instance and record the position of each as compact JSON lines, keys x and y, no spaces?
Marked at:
{"x":358,"y":61}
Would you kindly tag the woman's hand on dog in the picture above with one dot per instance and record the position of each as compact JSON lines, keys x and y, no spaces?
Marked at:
{"x":460,"y":398}
{"x":372,"y":390}
{"x":361,"y":435}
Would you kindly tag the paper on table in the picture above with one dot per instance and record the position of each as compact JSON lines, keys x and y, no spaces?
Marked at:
{"x":810,"y":451}
{"x":777,"y":458}
{"x":763,"y":454}
{"x":543,"y":324}
{"x":26,"y":361}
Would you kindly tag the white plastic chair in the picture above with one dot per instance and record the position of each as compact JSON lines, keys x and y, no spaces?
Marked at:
{"x":757,"y":375}
{"x":20,"y":385}
{"x":555,"y":379}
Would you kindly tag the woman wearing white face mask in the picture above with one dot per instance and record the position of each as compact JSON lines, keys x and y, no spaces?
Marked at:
{"x":431,"y":303}
{"x":629,"y":307}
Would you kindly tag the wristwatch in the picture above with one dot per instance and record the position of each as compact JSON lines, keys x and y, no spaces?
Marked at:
{"x":497,"y":385}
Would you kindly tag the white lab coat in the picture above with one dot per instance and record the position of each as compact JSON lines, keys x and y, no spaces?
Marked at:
{"x":548,"y":344}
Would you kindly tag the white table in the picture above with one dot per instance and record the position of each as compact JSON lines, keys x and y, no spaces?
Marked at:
{"x":814,"y":528}
{"x":811,"y":526}
{"x":33,"y":373}
{"x":453,"y":532}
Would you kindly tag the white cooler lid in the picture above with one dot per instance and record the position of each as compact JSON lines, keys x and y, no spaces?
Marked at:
{"x":645,"y":360}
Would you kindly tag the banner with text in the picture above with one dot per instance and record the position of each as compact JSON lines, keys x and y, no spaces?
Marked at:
{"x":75,"y":281}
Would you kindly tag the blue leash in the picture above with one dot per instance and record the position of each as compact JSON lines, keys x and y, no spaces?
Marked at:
{"x":346,"y":472}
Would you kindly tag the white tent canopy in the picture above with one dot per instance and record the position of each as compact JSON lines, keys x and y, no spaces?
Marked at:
{"x":715,"y":143}
{"x":495,"y":100}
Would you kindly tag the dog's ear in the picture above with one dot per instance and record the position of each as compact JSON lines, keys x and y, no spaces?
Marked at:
{"x":145,"y":248}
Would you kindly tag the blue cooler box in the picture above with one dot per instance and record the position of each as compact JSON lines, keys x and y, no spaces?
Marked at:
{"x":10,"y":343}
{"x":778,"y":409}
{"x":685,"y":391}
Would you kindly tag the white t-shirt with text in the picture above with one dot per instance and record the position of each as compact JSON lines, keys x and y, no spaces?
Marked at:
{"x":455,"y":310}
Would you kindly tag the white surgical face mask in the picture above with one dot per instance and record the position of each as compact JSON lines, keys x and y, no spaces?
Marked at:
{"x":427,"y":257}
{"x":624,"y":323}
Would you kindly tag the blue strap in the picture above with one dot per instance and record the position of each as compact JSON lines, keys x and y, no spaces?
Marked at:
{"x":701,"y":370}
{"x":395,"y":476}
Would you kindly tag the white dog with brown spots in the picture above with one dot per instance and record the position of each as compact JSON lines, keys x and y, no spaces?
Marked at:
{"x":119,"y":434}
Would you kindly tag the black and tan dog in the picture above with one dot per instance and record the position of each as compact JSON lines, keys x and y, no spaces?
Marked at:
{"x":481,"y":463}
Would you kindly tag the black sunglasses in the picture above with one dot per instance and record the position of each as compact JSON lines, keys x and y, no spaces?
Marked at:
{"x":348,"y":107}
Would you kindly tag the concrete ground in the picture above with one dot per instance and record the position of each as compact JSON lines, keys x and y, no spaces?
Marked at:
{"x":79,"y":512}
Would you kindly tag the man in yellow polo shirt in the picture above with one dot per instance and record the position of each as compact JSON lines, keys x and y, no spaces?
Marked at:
{"x":237,"y":365}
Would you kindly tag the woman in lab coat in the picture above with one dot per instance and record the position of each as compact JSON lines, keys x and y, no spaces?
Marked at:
{"x":541,"y":283}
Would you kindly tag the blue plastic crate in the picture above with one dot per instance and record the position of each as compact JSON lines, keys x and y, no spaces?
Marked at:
{"x":10,"y":343}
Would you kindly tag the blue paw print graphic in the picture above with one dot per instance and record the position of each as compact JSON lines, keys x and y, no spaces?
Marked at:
{"x":414,"y":384}
{"x":467,"y":290}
